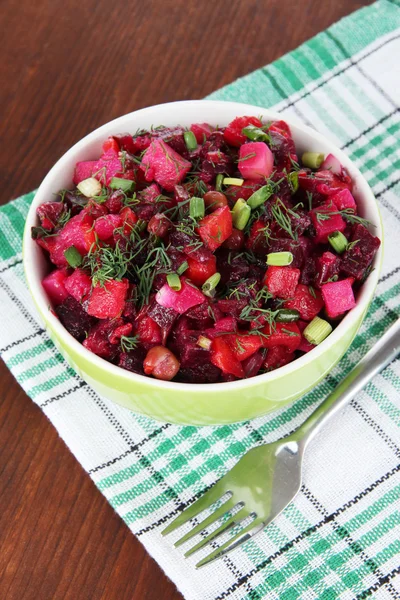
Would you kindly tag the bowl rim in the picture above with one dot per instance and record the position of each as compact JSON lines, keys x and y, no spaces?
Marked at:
{"x":52,"y":321}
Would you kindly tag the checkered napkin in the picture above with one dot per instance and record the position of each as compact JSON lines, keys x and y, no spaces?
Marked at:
{"x":340,"y":538}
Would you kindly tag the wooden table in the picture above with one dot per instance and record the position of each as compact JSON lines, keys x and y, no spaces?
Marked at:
{"x":66,"y":68}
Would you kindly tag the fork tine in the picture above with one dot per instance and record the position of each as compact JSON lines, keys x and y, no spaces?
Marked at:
{"x":211,"y":496}
{"x":217,"y":514}
{"x":237,"y":540}
{"x":236,"y":519}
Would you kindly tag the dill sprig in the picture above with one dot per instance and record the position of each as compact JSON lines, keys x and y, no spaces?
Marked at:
{"x":157,"y":261}
{"x":107,"y":263}
{"x":281,"y":215}
{"x":129,"y":343}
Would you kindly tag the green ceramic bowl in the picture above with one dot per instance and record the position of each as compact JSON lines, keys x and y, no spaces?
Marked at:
{"x":200,"y":404}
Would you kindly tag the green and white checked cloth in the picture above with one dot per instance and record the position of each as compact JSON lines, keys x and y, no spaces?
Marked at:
{"x":341,"y":536}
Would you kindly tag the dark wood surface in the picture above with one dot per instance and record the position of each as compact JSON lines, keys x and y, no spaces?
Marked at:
{"x":66,"y":68}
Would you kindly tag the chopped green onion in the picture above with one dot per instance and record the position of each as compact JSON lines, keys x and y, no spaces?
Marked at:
{"x":218,"y":182}
{"x":197,"y":209}
{"x":313,"y":160}
{"x":279,"y":259}
{"x":240,"y":214}
{"x":259,"y":196}
{"x":204,"y":342}
{"x":209,"y":286}
{"x":126,"y":185}
{"x":233,"y":181}
{"x":89,"y":187}
{"x":287,"y":315}
{"x":255,"y":134}
{"x":190,"y":140}
{"x":293,"y":178}
{"x":317,"y":331}
{"x":338,"y":241}
{"x":174,"y":282}
{"x":72,"y":256}
{"x":182,"y":268}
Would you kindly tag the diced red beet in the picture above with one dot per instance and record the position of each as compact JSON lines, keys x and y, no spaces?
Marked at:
{"x":115,"y":202}
{"x":150,"y":193}
{"x":283,"y":334}
{"x":191,"y":355}
{"x":162,"y":164}
{"x":327,"y":267}
{"x":200,"y":316}
{"x":54,"y":285}
{"x":255,"y":160}
{"x":202,"y":131}
{"x":358,"y":258}
{"x":148,"y":331}
{"x":105,"y":226}
{"x":243,"y":345}
{"x":326,"y":220}
{"x":107,"y":302}
{"x":207,"y":373}
{"x":75,"y":233}
{"x":133,"y":361}
{"x":213,"y":163}
{"x":129,"y":219}
{"x":173,"y":136}
{"x":99,"y":339}
{"x":125,"y":329}
{"x":74,"y":318}
{"x":187,"y":297}
{"x":49,"y":214}
{"x":223,"y":358}
{"x":282,"y":281}
{"x":78,"y":285}
{"x":233,"y":132}
{"x":108,"y":166}
{"x":214,"y":229}
{"x":84,"y":170}
{"x":159,"y":225}
{"x":323,"y":182}
{"x":234,"y":192}
{"x":198,"y":272}
{"x":111,"y":144}
{"x":257,"y":241}
{"x":225,"y":324}
{"x":338,"y":297}
{"x":308,"y":304}
{"x":93,"y":210}
{"x":164,"y":317}
{"x":344,"y":199}
{"x":278,"y":356}
{"x":235,"y":241}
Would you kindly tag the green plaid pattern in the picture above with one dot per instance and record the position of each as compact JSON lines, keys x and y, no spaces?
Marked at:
{"x":341,"y":536}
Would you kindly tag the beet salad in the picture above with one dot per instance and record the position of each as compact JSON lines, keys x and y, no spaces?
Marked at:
{"x":206,"y":254}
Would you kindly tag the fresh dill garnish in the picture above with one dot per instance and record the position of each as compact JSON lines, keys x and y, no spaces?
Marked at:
{"x":107,"y":263}
{"x":348,"y":215}
{"x":288,"y":332}
{"x":310,"y":200}
{"x":294,"y":163}
{"x":247,"y":157}
{"x":129,"y":343}
{"x":312,"y":291}
{"x":281,"y":215}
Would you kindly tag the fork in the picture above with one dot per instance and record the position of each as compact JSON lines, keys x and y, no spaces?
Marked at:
{"x":268,"y":477}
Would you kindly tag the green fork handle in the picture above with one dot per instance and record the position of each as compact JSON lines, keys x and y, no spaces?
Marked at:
{"x":378,"y":357}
